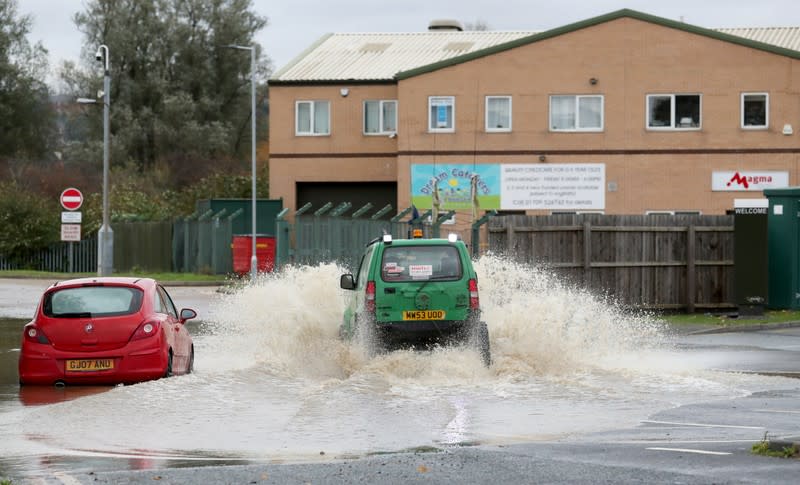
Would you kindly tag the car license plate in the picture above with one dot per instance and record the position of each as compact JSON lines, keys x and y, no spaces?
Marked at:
{"x":89,"y":365}
{"x":423,"y":315}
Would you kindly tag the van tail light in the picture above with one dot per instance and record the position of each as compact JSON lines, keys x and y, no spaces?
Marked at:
{"x":474,"y":301}
{"x":145,"y":330}
{"x":35,"y":335}
{"x":369,"y":301}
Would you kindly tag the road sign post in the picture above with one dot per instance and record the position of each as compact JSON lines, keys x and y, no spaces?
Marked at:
{"x":71,"y":199}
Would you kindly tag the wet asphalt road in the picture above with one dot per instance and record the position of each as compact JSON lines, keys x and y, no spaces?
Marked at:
{"x":705,"y":442}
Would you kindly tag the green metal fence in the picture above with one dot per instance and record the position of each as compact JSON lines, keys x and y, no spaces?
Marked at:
{"x":329,"y":235}
{"x":201,"y":243}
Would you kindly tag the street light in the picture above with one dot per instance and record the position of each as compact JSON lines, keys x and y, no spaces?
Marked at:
{"x":252,"y":49}
{"x":105,"y":236}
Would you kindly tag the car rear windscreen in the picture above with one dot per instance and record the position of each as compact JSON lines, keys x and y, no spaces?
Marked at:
{"x":420,"y":263}
{"x":93,"y":301}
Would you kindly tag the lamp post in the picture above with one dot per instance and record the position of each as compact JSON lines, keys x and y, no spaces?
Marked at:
{"x":105,"y":236}
{"x":252,"y":49}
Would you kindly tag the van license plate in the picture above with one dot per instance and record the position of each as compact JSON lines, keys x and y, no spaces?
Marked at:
{"x":423,"y":315}
{"x":89,"y":365}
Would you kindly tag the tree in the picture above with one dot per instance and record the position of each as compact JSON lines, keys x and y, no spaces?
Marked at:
{"x":26,"y":118}
{"x":178,"y":95}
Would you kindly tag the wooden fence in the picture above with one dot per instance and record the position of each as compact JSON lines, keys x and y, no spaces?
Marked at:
{"x":655,"y":261}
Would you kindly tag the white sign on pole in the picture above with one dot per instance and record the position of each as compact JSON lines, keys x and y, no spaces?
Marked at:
{"x":553,"y":186}
{"x":70,"y":232}
{"x":71,"y":217}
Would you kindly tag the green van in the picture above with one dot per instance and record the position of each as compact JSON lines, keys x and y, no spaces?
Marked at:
{"x":415,"y":292}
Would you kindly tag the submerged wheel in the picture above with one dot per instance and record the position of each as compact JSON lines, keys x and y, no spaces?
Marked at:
{"x":168,"y":372}
{"x":482,"y":343}
{"x":190,"y":368}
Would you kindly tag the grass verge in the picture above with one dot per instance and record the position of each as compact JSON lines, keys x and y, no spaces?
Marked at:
{"x":728,"y":320}
{"x":176,"y":277}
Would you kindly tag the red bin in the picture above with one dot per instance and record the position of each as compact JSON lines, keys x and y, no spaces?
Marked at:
{"x":242,"y":248}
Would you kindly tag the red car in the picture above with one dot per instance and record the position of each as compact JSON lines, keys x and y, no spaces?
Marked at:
{"x":105,"y":331}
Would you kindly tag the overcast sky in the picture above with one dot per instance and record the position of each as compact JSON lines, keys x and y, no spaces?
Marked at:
{"x":295,"y":24}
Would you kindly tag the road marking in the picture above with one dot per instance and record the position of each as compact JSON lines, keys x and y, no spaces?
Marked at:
{"x":66,"y":479}
{"x":776,"y":411}
{"x":687,"y":450}
{"x":702,"y":425}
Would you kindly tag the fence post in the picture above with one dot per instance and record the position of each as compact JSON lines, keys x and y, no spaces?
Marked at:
{"x":435,"y":225}
{"x":300,"y":240}
{"x":691,"y":274}
{"x":216,"y":242}
{"x":186,"y":238}
{"x":281,"y":239}
{"x":395,"y":221}
{"x":509,"y":235}
{"x":476,"y":231}
{"x":587,"y":253}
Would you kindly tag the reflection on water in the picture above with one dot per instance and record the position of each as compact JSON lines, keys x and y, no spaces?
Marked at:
{"x":273,"y":382}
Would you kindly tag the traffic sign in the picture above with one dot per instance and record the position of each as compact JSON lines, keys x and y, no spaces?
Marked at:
{"x":71,"y":217}
{"x":71,"y":199}
{"x":70,"y":232}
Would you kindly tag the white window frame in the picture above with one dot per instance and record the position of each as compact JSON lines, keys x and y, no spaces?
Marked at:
{"x":382,"y":131}
{"x":431,"y":128}
{"x":313,"y":104}
{"x":577,"y":128}
{"x":673,"y":122}
{"x":491,"y":129}
{"x":766,"y":111}
{"x":673,"y":213}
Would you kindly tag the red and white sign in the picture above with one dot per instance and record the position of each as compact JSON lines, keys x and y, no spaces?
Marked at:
{"x":70,"y":232}
{"x":747,"y":180}
{"x":71,"y":199}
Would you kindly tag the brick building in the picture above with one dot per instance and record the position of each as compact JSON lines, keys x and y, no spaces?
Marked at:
{"x":625,"y":113}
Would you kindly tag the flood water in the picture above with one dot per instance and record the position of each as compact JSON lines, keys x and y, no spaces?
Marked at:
{"x":272,"y":382}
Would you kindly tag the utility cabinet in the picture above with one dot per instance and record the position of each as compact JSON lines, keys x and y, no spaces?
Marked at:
{"x":784,"y":247}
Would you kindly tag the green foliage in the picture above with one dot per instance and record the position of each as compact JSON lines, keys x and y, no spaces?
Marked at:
{"x":26,"y":118}
{"x":765,"y":448}
{"x":31,"y":222}
{"x":178,"y":95}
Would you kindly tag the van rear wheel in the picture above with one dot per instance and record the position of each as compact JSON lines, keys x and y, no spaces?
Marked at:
{"x":480,"y":341}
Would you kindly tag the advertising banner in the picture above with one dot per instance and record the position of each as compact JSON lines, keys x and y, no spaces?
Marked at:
{"x":551,"y":186}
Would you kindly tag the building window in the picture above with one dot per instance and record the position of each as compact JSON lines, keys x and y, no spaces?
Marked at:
{"x":380,"y":117}
{"x":441,"y":114}
{"x":576,"y":113}
{"x":755,"y":111}
{"x":498,"y":113}
{"x":673,"y":111}
{"x":313,"y":118}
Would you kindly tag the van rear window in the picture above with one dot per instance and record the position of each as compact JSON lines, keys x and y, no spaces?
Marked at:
{"x":420,"y":263}
{"x":93,"y":301}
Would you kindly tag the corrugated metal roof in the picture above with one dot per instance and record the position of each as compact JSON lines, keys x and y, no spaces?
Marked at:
{"x":786,"y":37}
{"x":379,"y":56}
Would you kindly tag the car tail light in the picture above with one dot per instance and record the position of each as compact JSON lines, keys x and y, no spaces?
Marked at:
{"x":474,"y":301}
{"x":34,"y":335}
{"x":369,"y":302}
{"x":145,"y":330}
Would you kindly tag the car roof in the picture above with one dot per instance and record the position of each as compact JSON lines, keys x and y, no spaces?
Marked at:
{"x":109,"y":280}
{"x":422,"y":242}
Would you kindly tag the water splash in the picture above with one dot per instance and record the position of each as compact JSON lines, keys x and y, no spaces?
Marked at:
{"x":288,"y":323}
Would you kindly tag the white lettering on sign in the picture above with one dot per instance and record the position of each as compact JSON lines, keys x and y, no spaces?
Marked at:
{"x":562,"y":186}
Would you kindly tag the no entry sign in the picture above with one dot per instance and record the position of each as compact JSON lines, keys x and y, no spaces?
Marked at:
{"x":71,"y":199}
